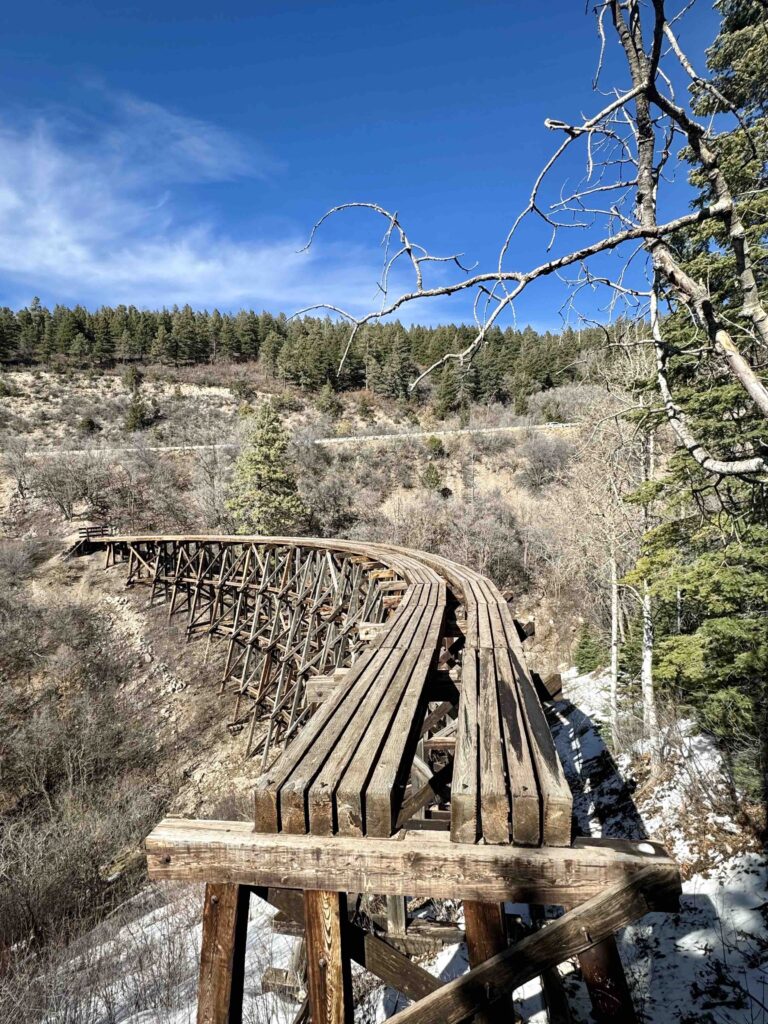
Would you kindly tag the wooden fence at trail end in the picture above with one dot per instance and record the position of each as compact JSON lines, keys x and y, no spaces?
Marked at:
{"x":404,"y":753}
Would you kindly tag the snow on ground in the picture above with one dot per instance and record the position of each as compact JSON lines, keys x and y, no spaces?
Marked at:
{"x":708,"y":963}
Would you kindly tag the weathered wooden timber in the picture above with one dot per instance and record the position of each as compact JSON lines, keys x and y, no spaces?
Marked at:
{"x":427,"y":863}
{"x":404,"y":753}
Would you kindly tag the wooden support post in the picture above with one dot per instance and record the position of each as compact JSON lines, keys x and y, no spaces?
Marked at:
{"x":486,"y":935}
{"x":377,"y":956}
{"x":603,"y":973}
{"x":222,"y":956}
{"x":328,"y":966}
{"x":555,"y":999}
{"x":485,"y":930}
{"x":397,"y":918}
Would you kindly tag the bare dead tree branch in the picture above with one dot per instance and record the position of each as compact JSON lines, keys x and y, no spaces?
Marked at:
{"x":628,"y":146}
{"x":679,"y":423}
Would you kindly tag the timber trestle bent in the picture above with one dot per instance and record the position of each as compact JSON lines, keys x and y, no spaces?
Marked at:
{"x":404,"y":753}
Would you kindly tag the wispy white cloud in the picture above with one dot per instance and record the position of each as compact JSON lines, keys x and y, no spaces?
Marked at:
{"x":89,"y":212}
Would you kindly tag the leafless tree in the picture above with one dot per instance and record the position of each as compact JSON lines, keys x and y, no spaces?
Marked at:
{"x":17,"y":463}
{"x":627,"y":148}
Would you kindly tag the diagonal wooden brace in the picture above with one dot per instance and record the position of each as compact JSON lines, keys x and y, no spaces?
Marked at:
{"x":597,"y":919}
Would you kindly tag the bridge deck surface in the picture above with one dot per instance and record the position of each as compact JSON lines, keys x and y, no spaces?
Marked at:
{"x":444,"y":673}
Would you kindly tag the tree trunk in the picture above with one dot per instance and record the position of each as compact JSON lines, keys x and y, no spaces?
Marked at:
{"x":614,"y":697}
{"x":650,"y":717}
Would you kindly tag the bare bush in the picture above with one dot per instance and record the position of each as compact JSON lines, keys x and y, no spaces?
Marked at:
{"x":570,"y":403}
{"x":19,"y":557}
{"x":546,"y":460}
{"x":17,"y":463}
{"x":481,"y":534}
{"x":74,"y":485}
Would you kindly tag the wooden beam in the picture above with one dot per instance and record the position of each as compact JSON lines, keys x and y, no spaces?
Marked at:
{"x":397,"y":917}
{"x":328,"y":967}
{"x":425,"y":863}
{"x":435,"y":787}
{"x":555,"y":999}
{"x":576,"y":931}
{"x":222,"y":955}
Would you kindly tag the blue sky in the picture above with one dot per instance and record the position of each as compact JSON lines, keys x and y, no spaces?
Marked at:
{"x":170,"y":153}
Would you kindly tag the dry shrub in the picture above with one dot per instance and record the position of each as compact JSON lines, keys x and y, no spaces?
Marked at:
{"x":546,"y":460}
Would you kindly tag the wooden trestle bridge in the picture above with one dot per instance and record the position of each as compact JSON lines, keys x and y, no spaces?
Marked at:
{"x":403,"y":753}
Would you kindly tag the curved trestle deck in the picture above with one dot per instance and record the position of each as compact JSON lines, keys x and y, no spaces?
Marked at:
{"x":404,"y":749}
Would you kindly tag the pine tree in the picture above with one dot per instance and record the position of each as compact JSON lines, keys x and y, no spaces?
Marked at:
{"x":591,"y":653}
{"x":431,"y":478}
{"x":264,"y":495}
{"x":229,"y":343}
{"x":706,"y":561}
{"x":398,"y":370}
{"x":270,"y":351}
{"x":328,"y":402}
{"x":447,"y":392}
{"x":161,"y":350}
{"x":215,"y":326}
{"x":138,"y":415}
{"x":9,"y":333}
{"x":81,"y":348}
{"x":247,"y":331}
{"x":103,"y":342}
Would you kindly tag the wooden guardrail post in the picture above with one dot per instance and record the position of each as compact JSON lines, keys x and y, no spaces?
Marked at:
{"x":222,"y":955}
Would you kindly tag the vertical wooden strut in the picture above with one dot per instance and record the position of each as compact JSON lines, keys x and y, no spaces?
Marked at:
{"x":603,"y":973}
{"x":328,"y":966}
{"x":486,"y":936}
{"x":222,"y":956}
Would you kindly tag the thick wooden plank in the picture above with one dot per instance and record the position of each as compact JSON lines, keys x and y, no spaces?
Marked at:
{"x":427,"y":863}
{"x":524,"y":792}
{"x":397,"y":917}
{"x":222,"y":954}
{"x":341,"y":749}
{"x":556,"y":797}
{"x":398,"y":626}
{"x":436,"y":716}
{"x":384,"y":792}
{"x":328,"y":968}
{"x":465,"y":786}
{"x":293,"y":772}
{"x":494,"y":799}
{"x":335,"y":794}
{"x":267,"y":789}
{"x":485,"y":930}
{"x":486,"y":936}
{"x":496,"y":978}
{"x":320,"y":688}
{"x":555,"y":998}
{"x":434,"y":788}
{"x":485,"y":637}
